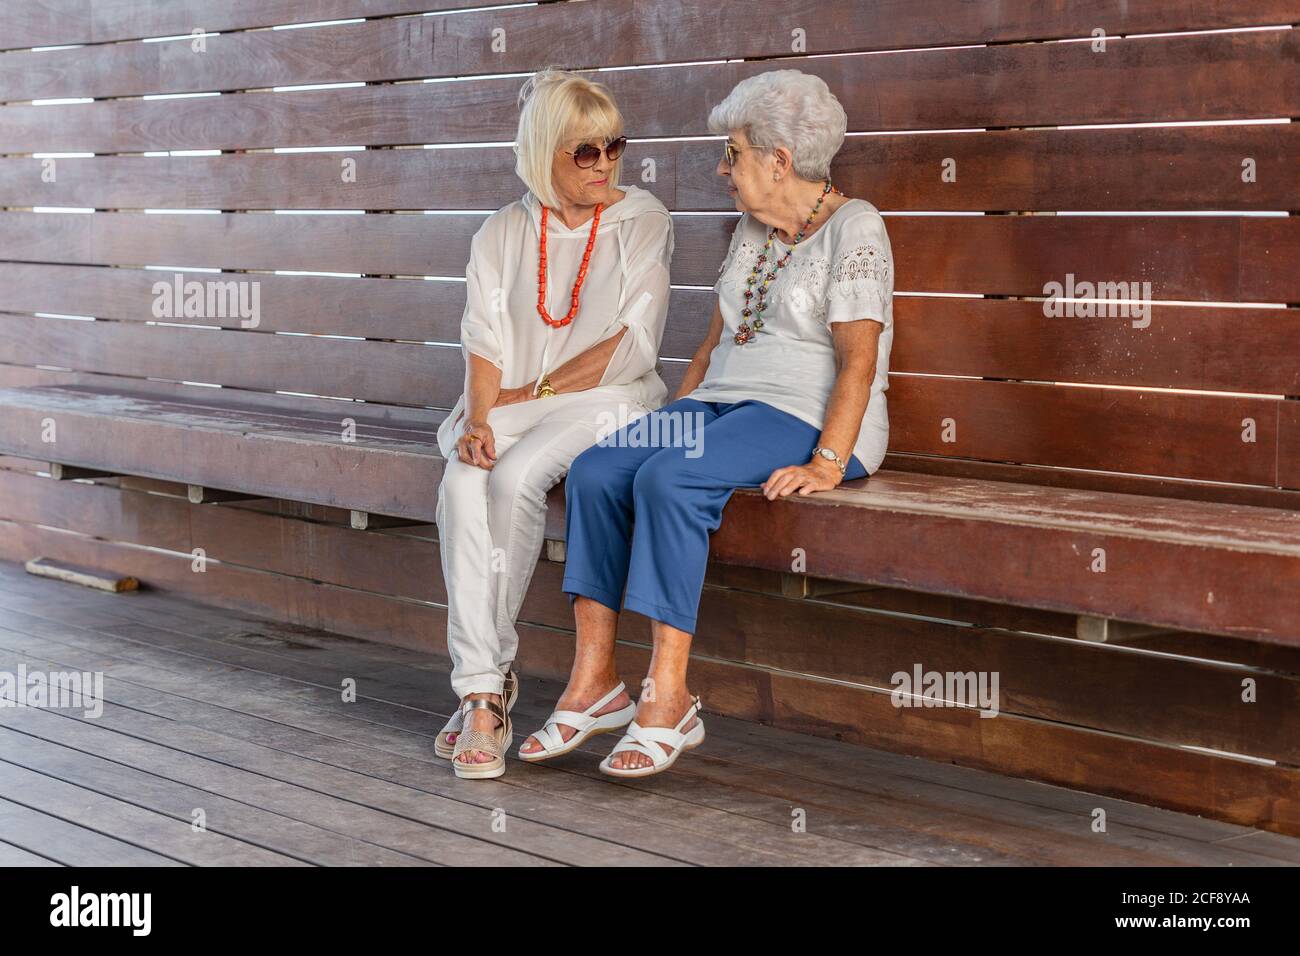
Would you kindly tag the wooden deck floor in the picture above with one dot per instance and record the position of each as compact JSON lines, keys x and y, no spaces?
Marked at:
{"x":243,"y":719}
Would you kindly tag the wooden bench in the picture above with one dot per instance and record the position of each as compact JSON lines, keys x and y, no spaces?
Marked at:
{"x":1100,"y":478}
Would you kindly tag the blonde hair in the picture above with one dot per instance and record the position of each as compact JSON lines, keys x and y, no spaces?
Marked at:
{"x":555,"y":106}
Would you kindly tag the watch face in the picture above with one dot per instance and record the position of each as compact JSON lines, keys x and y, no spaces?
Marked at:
{"x":827,"y":454}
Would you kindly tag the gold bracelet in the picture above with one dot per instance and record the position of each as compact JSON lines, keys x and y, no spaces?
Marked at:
{"x":545,"y":390}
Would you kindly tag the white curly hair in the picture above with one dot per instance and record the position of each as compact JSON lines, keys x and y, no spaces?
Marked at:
{"x":787,"y":108}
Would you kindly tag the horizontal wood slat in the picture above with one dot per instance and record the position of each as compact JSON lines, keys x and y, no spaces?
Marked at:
{"x":1098,"y":480}
{"x":1196,"y":436}
{"x":372,"y":308}
{"x":408,"y":309}
{"x":371,"y":371}
{"x":1253,"y":75}
{"x":32,"y":23}
{"x":302,"y":461}
{"x":609,"y":34}
{"x":385,"y":564}
{"x":1158,"y":168}
{"x":250,"y":404}
{"x":1232,"y":349}
{"x":915,"y":23}
{"x":1233,"y":259}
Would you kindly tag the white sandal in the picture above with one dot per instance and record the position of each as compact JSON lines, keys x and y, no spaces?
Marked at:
{"x":647,"y":740}
{"x":586,"y":724}
{"x":443,"y":747}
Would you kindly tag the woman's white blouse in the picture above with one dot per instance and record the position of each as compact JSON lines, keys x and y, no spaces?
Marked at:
{"x":841,"y":273}
{"x":627,"y":285}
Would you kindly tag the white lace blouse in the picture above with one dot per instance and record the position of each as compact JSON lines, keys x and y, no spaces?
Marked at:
{"x":842,"y":272}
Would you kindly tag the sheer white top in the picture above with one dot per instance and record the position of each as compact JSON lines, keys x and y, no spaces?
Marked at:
{"x":626,"y":285}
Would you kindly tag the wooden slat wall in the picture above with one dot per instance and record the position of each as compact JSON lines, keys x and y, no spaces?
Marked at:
{"x":1235,"y":75}
{"x":1232,"y":76}
{"x":608,"y":33}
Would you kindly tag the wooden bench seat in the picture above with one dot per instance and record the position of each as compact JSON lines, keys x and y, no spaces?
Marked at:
{"x":1219,"y":568}
{"x":224,"y":444}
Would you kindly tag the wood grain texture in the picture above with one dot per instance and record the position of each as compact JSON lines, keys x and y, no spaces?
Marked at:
{"x":1149,"y":168}
{"x":1231,"y":76}
{"x":612,"y":33}
{"x":1200,"y":258}
{"x":32,"y":23}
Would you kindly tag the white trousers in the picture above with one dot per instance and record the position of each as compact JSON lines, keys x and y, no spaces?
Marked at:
{"x":491,"y":523}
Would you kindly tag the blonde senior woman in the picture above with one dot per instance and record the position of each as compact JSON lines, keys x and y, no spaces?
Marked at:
{"x":566,"y":296}
{"x":786,"y":393}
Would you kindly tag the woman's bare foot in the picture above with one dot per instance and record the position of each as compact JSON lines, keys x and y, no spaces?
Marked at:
{"x":479,"y":719}
{"x":578,"y":698}
{"x":664,"y":711}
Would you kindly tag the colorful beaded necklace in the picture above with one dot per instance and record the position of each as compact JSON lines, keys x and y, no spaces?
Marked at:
{"x":746,"y":332}
{"x":582,"y":272}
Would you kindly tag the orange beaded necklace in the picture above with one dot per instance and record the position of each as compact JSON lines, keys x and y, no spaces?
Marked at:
{"x":582,"y":273}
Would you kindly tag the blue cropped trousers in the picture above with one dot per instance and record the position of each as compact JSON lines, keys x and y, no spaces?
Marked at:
{"x":642,"y":502}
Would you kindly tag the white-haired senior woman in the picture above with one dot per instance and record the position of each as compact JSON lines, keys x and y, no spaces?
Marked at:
{"x":566,"y":297}
{"x":787,"y":387}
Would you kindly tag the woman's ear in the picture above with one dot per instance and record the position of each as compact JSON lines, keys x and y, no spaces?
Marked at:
{"x":782,"y":162}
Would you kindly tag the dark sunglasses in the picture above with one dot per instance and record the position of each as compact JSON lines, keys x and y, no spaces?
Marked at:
{"x":587,"y":154}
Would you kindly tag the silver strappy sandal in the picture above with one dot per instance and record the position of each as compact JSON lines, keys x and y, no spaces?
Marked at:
{"x":493,"y":744}
{"x":443,"y":746}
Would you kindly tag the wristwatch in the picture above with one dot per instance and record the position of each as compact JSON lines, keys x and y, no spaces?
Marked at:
{"x":544,"y":388}
{"x":831,"y":456}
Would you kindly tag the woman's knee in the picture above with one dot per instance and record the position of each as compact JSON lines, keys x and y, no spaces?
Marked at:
{"x":659,"y":479}
{"x":461,"y":482}
{"x":591,"y":471}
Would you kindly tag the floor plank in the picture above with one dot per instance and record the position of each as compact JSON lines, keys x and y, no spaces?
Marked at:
{"x":142,"y":828}
{"x":969,"y":836}
{"x":67,"y":844}
{"x":11,"y":855}
{"x":107,"y":765}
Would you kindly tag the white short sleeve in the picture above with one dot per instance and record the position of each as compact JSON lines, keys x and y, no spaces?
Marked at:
{"x":480,"y":325}
{"x":645,"y":293}
{"x":861,"y":272}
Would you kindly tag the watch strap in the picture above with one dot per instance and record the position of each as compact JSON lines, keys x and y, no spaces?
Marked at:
{"x":839,"y":463}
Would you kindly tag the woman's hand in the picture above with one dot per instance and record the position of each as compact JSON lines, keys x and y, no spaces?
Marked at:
{"x":477,"y":445}
{"x":820,"y":474}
